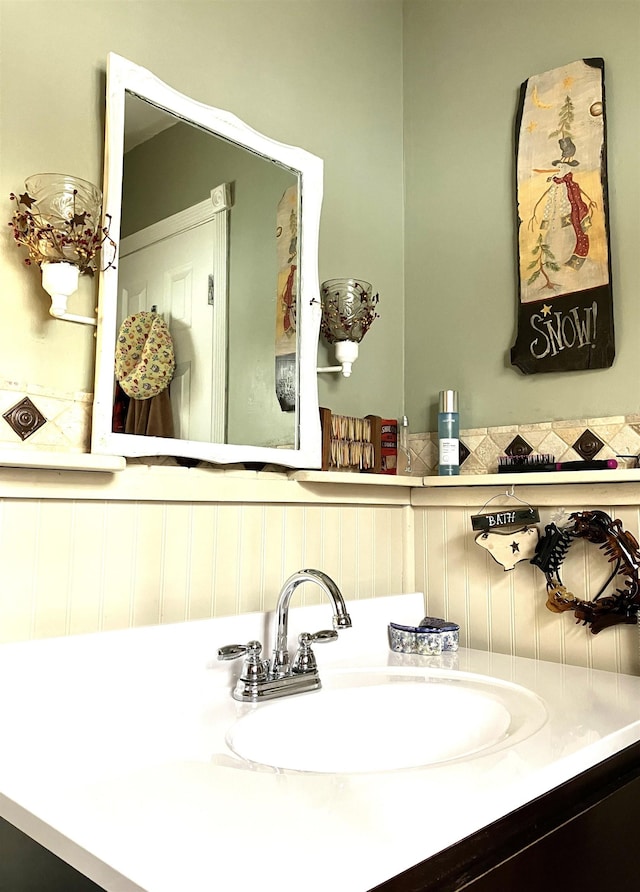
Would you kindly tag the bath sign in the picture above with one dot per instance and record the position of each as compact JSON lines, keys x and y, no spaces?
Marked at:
{"x":501,"y":519}
{"x":565,"y":308}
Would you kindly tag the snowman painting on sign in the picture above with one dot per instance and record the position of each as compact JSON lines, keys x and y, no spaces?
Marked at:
{"x":565,"y":313}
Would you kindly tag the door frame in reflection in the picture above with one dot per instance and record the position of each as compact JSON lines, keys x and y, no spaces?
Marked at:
{"x":213,"y":213}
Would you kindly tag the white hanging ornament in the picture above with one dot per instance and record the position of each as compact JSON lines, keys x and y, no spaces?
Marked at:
{"x":509,"y":547}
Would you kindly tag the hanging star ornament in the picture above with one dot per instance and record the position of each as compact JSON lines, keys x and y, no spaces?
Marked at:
{"x":509,"y":547}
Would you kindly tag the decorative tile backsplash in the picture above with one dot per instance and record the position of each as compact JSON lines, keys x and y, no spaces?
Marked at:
{"x":39,"y":419}
{"x":24,"y":418}
{"x":586,"y":438}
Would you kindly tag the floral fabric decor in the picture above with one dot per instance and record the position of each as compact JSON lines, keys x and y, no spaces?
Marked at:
{"x":145,"y":358}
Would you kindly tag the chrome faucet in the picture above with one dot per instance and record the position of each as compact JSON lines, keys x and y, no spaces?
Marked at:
{"x":341,"y":619}
{"x":261,"y":680}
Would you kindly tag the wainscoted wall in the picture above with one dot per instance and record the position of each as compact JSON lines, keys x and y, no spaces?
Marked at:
{"x":82,"y":552}
{"x":85,"y":551}
{"x":505,"y":610}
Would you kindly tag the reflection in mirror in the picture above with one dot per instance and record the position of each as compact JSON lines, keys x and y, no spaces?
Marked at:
{"x":218,"y":233}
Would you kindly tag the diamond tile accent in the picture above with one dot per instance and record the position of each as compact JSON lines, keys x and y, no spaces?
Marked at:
{"x":588,"y":445}
{"x":518,"y":446}
{"x":464,"y":453}
{"x":24,"y":418}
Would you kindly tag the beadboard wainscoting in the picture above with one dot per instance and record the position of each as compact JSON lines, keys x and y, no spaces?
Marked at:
{"x":505,"y":610}
{"x":84,"y":552}
{"x":87,"y":551}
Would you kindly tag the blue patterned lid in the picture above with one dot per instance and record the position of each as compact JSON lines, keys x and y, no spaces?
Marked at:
{"x":434,"y":624}
{"x":428,"y":624}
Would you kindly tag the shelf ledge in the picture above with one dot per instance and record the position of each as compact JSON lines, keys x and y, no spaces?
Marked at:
{"x":352,"y":477}
{"x":65,"y":461}
{"x":61,"y":461}
{"x":613,"y":475}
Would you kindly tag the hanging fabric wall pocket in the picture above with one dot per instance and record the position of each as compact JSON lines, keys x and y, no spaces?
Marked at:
{"x":509,"y":535}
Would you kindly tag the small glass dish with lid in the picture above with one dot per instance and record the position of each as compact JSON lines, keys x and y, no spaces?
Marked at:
{"x":431,"y":637}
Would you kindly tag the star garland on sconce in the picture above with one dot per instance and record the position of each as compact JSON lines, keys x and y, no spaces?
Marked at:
{"x":77,"y":239}
{"x":621,"y":549}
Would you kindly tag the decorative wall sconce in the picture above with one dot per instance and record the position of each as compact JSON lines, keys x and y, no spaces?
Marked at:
{"x":58,"y":221}
{"x":348,"y":309}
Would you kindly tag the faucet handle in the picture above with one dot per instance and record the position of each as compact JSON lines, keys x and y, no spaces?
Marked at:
{"x":234,"y":651}
{"x":305,"y":660}
{"x":254,"y":669}
{"x":321,"y":637}
{"x":254,"y":674}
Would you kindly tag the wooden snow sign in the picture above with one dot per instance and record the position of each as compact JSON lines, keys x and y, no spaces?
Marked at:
{"x":565,"y":311}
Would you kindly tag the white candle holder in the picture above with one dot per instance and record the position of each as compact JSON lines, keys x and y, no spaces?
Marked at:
{"x":60,"y":281}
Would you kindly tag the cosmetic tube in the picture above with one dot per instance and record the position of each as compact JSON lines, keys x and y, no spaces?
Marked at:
{"x":404,"y":453}
{"x":448,"y":434}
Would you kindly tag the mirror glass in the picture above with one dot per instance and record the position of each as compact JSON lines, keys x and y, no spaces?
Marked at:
{"x":208,"y":324}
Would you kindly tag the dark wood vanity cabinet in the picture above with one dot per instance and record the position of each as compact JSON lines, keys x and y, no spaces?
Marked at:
{"x":26,"y":866}
{"x":582,"y":836}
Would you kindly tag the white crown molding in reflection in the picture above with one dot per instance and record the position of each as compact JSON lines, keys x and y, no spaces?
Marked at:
{"x":203,"y":212}
{"x":221,"y":197}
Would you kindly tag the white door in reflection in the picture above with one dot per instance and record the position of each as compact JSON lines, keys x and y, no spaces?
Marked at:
{"x":192,"y":298}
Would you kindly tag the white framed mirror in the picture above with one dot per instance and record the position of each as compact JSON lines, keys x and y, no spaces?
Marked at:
{"x":217,"y":230}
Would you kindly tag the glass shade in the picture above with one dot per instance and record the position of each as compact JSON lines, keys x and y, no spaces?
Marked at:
{"x":65,"y":217}
{"x":348,"y":309}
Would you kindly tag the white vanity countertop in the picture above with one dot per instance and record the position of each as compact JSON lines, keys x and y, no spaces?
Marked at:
{"x":112,"y":755}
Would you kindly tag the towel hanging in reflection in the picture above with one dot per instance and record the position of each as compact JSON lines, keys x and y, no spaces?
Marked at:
{"x":152,"y":417}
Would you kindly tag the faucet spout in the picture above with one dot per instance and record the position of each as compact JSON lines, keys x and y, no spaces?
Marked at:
{"x":341,"y":619}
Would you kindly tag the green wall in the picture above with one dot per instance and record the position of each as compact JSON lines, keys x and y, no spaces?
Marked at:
{"x":325,"y":75}
{"x":411,"y":105}
{"x":464,"y":63}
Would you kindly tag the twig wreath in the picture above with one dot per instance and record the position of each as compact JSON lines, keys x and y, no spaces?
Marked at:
{"x":622,"y":551}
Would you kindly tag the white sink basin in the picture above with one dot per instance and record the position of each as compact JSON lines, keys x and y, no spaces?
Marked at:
{"x":387,"y":719}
